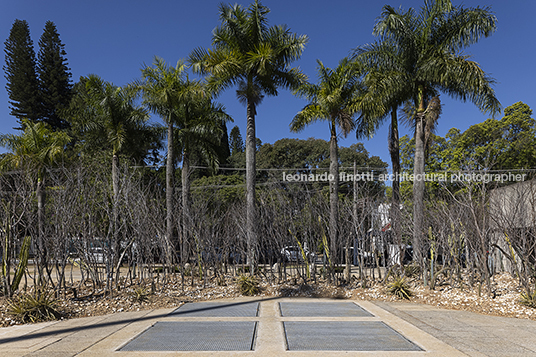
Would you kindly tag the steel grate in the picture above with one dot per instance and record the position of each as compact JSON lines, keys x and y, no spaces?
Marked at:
{"x":344,"y":336}
{"x":217,"y":309}
{"x":322,"y":309}
{"x":196,"y":336}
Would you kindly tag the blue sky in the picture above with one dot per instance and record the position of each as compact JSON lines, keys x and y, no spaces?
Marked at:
{"x":114,"y":38}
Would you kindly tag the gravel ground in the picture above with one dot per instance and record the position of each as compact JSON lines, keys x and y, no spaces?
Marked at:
{"x":504,"y":301}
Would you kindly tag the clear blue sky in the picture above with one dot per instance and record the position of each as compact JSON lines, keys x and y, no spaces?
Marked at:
{"x":114,"y":38}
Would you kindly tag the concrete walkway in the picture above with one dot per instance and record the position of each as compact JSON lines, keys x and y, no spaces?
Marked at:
{"x":436,"y":332}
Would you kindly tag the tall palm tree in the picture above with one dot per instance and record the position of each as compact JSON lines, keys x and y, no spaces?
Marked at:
{"x":162,"y":88}
{"x":386,"y":82}
{"x":194,"y":124}
{"x":199,"y":131}
{"x":248,"y":53}
{"x":110,"y":111}
{"x":37,"y":148}
{"x":335,"y":99}
{"x":432,"y":42}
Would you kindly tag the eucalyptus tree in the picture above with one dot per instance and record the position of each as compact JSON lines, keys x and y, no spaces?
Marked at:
{"x":432,"y":42}
{"x":36,"y":148}
{"x":255,"y":57}
{"x":335,"y":99}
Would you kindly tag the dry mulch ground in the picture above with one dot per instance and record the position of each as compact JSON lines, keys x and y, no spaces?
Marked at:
{"x":91,"y":302}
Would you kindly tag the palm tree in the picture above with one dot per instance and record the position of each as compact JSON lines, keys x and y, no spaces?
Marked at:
{"x":255,"y":57}
{"x":387,"y":74}
{"x":111,"y":112}
{"x":336,"y":99}
{"x":199,"y":131}
{"x":37,"y":148}
{"x":431,"y":42}
{"x":162,"y":88}
{"x":194,"y":124}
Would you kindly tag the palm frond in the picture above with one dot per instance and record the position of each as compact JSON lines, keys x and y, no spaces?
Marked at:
{"x":308,"y":115}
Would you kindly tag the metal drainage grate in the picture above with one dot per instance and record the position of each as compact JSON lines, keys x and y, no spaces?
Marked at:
{"x":322,"y":309}
{"x":196,"y":336}
{"x":217,"y":309}
{"x":344,"y":336}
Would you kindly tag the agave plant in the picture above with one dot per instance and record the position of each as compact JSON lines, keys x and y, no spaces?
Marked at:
{"x":528,"y":299}
{"x":400,"y":288}
{"x":39,"y":306}
{"x":248,"y":285}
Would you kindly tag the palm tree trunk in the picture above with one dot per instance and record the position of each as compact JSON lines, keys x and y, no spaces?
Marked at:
{"x":115,"y":178}
{"x":115,"y":227}
{"x":170,"y":193}
{"x":394,"y":151}
{"x":185,"y":201}
{"x":333,"y":194}
{"x":41,"y":249}
{"x":418,"y":185}
{"x":251,"y":223}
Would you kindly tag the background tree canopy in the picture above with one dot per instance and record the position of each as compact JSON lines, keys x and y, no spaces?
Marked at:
{"x":495,"y":144}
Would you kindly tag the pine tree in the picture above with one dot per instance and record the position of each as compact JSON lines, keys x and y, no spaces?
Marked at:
{"x":54,"y":77}
{"x":22,"y":84}
{"x":223,"y":149}
{"x":236,"y":142}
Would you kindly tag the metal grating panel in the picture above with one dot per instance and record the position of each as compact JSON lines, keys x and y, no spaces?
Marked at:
{"x":322,"y":309}
{"x":344,"y":336}
{"x":196,"y":336}
{"x":217,"y":309}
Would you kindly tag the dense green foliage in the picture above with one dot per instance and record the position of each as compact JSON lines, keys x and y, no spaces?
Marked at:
{"x":36,"y":148}
{"x":54,"y":77}
{"x":236,"y":143}
{"x":105,"y":118}
{"x":38,"y":89}
{"x":20,"y":72}
{"x":508,"y":143}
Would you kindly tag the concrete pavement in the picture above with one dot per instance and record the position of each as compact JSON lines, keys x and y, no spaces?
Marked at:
{"x":437,"y":332}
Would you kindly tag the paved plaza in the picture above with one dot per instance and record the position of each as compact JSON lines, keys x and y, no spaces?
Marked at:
{"x":278,"y":327}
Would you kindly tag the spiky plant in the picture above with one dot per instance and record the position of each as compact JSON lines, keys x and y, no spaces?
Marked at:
{"x":140,"y":294}
{"x":248,"y":285}
{"x":412,"y":270}
{"x":399,"y":287}
{"x":528,"y":299}
{"x":39,"y":306}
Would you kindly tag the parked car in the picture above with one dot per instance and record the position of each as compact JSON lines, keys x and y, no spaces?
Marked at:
{"x":97,"y":255}
{"x":294,"y":254}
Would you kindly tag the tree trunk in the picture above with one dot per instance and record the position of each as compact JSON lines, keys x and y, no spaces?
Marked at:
{"x":333,"y":194}
{"x":115,"y":226}
{"x":170,"y":170}
{"x":251,"y":214}
{"x":186,"y":203}
{"x":418,"y":189}
{"x":115,"y":178}
{"x":41,"y":249}
{"x":394,"y":151}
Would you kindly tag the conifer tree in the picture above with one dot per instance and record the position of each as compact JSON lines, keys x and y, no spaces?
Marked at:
{"x":54,"y":77}
{"x":22,"y":84}
{"x":236,"y":141}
